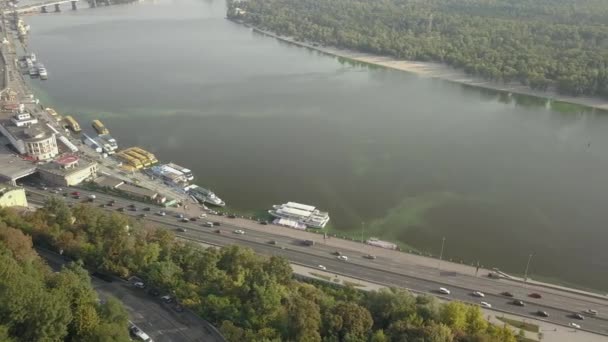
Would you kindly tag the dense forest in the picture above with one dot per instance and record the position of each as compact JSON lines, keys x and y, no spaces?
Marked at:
{"x":559,"y":45}
{"x":37,"y":304}
{"x":249,"y":297}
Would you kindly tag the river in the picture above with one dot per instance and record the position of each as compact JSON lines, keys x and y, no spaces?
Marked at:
{"x":387,"y":153}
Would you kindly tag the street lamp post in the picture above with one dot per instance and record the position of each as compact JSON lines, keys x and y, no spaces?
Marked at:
{"x":527,"y":267}
{"x":441,"y":253}
{"x":362,"y":231}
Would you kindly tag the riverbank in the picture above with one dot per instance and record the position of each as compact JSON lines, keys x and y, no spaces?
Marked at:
{"x":439,"y":71}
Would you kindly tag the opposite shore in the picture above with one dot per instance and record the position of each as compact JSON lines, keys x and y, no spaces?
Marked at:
{"x":439,"y":71}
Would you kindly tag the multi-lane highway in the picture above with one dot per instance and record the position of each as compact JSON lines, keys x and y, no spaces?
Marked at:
{"x":385,"y":270}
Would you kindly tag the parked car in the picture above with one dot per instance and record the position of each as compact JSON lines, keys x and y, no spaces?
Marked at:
{"x":153,"y":292}
{"x":139,"y":285}
{"x":443,"y":290}
{"x":535,"y":295}
{"x":178,"y":308}
{"x":167,"y":299}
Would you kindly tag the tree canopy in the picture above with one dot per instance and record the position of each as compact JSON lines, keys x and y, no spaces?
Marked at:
{"x":559,"y":45}
{"x":247,"y":296}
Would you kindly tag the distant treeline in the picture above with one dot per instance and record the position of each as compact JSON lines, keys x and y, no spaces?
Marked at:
{"x":560,"y":45}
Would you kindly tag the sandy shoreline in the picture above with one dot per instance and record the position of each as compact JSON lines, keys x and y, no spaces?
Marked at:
{"x":443,"y":72}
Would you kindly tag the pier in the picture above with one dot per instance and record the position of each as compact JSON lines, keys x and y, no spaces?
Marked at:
{"x":42,"y":6}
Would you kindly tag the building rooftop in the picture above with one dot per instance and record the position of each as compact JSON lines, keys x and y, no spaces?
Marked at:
{"x":60,"y":169}
{"x":27,"y":133}
{"x":108,"y":181}
{"x":137,"y":191}
{"x":12,"y":166}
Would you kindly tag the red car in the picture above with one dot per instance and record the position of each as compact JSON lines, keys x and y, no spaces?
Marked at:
{"x":535,"y":295}
{"x":76,"y":193}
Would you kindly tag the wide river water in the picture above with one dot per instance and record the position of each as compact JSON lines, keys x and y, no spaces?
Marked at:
{"x":263,"y":122}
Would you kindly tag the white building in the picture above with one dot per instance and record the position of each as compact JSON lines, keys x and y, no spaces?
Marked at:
{"x":302,"y":214}
{"x":29,"y":137}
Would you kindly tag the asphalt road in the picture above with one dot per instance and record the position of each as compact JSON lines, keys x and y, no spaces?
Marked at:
{"x":420,"y":278}
{"x":155,"y":318}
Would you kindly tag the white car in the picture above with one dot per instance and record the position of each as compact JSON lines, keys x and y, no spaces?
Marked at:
{"x":162,"y":213}
{"x":322,"y":267}
{"x":478,"y":294}
{"x":343,"y":257}
{"x":139,"y":285}
{"x":202,"y":215}
{"x":444,"y":290}
{"x":574,"y":325}
{"x":591,"y":312}
{"x":238,"y":231}
{"x":486,"y":305}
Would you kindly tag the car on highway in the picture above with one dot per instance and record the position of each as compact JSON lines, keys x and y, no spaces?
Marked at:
{"x":239,"y":231}
{"x":231,"y":216}
{"x":507,"y":294}
{"x":264,"y":222}
{"x":369,"y":256}
{"x":76,"y":193}
{"x":203,"y":215}
{"x":518,"y":302}
{"x":542,"y":313}
{"x":139,"y":284}
{"x":216,"y":223}
{"x":578,"y":316}
{"x":142,"y":215}
{"x":478,"y":294}
{"x":218,"y":231}
{"x":443,"y":290}
{"x":486,"y":305}
{"x":76,"y":196}
{"x":535,"y":295}
{"x":575,"y":326}
{"x":322,"y":267}
{"x":208,"y":224}
{"x":121,"y":209}
{"x":591,"y":312}
{"x":338,"y":253}
{"x":272,"y":242}
{"x":147,"y":209}
{"x":184,"y":219}
{"x":342,"y":257}
{"x":193,"y":219}
{"x":161,"y":213}
{"x":111,"y":203}
{"x":180,"y":216}
{"x":182,"y":230}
